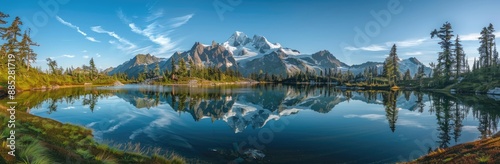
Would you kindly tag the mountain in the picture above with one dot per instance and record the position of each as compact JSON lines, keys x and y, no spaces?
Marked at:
{"x":135,"y":65}
{"x":254,"y":55}
{"x":411,"y":63}
{"x":257,"y":53}
{"x":214,"y":55}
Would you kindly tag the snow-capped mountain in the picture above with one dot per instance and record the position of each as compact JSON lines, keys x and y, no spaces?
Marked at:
{"x":255,"y":55}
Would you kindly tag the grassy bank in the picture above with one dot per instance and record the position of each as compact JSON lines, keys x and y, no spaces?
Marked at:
{"x":41,"y":140}
{"x":481,"y":151}
{"x":36,"y":79}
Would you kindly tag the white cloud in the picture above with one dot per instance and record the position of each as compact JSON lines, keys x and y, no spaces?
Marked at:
{"x":154,"y":15}
{"x":85,"y":57}
{"x":68,"y":56}
{"x":97,"y":54}
{"x":62,"y":21}
{"x":475,"y":36}
{"x":407,"y":43}
{"x":179,"y":21}
{"x":84,"y":51}
{"x":368,"y":48}
{"x":122,"y":44}
{"x":92,"y":39}
{"x":413,"y":53}
{"x":157,"y":33}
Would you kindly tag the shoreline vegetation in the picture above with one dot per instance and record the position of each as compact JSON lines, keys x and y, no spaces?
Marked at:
{"x":40,"y":138}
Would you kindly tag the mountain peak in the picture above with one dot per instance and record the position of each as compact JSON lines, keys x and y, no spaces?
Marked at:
{"x":415,"y":61}
{"x":238,"y":38}
{"x":141,"y":59}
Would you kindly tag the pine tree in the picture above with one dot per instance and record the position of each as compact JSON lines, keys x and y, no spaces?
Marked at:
{"x":52,"y":65}
{"x":157,"y":70}
{"x":391,"y":66}
{"x":93,"y":69}
{"x":174,"y":71}
{"x":495,"y":57}
{"x":25,"y":51}
{"x":407,"y":75}
{"x":10,"y":34}
{"x":459,"y":57}
{"x":182,"y":67}
{"x":445,"y":59}
{"x":192,"y":67}
{"x":487,"y":41}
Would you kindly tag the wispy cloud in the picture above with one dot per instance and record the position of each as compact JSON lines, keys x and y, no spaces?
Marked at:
{"x":98,"y":55}
{"x":179,"y":21}
{"x":164,"y":42}
{"x":368,"y":48}
{"x":154,"y":15}
{"x":158,"y":33}
{"x":407,"y":43}
{"x":122,"y":44}
{"x":122,"y":16}
{"x":475,"y":36}
{"x":62,"y":21}
{"x":68,"y":56}
{"x":86,"y":57}
{"x":387,"y":45}
{"x":417,"y":53}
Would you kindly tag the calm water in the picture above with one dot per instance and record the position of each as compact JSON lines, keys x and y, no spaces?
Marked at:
{"x":286,"y":124}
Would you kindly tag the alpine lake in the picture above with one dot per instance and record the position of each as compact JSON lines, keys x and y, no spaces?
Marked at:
{"x":274,"y":123}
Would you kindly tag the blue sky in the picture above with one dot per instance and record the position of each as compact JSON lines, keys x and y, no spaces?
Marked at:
{"x":112,"y":32}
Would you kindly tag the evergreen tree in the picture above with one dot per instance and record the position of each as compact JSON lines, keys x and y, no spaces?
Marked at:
{"x":495,"y":57}
{"x":407,"y":75}
{"x":10,"y":34}
{"x":459,"y":57}
{"x":192,"y":67}
{"x":487,"y":41}
{"x":391,"y":66}
{"x":182,"y":67}
{"x":445,"y":59}
{"x":157,"y":70}
{"x":174,"y":71}
{"x":93,"y":69}
{"x":52,"y":65}
{"x":26,"y":53}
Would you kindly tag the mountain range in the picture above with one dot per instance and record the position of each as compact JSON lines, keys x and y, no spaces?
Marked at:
{"x":254,"y":55}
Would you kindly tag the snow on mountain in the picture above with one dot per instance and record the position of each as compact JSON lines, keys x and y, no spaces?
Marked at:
{"x":245,"y":48}
{"x":254,"y":55}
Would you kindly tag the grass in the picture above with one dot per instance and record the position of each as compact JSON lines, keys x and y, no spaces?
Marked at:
{"x":481,"y":151}
{"x":33,"y":152}
{"x":483,"y":159}
{"x":44,"y":141}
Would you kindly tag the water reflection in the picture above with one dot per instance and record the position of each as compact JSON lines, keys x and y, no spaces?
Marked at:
{"x":245,"y":110}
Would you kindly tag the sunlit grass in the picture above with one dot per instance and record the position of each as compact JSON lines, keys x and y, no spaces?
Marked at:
{"x":483,"y":159}
{"x":33,"y":153}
